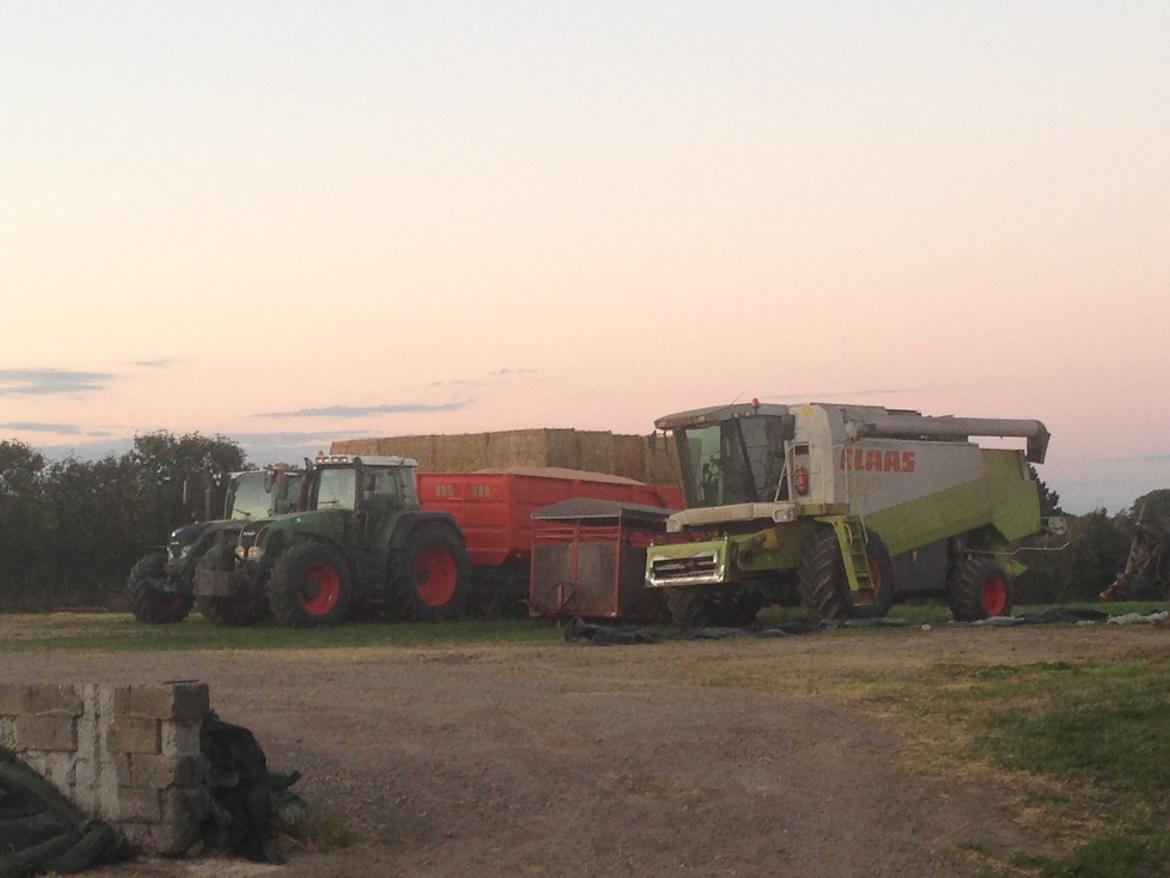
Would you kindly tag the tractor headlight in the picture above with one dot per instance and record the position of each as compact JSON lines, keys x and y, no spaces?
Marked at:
{"x":255,"y":553}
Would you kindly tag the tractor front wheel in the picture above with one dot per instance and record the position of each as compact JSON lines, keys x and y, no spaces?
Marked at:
{"x":239,"y":610}
{"x":699,"y":606}
{"x":980,"y":588}
{"x":150,"y":598}
{"x":434,"y":575}
{"x":310,"y":586}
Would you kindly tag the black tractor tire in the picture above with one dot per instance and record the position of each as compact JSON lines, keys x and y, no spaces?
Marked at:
{"x":239,"y":610}
{"x":152,"y":602}
{"x":824,"y":587}
{"x":310,"y":586}
{"x":979,"y":588}
{"x":433,"y":575}
{"x":689,"y":607}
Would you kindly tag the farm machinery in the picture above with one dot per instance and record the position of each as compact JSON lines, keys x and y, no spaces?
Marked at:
{"x":160,"y":586}
{"x":848,"y":507}
{"x":360,"y":540}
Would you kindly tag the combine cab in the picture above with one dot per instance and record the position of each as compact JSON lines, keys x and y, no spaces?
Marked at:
{"x":851,"y":507}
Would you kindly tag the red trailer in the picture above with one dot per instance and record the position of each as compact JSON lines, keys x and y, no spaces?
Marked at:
{"x":494,"y":509}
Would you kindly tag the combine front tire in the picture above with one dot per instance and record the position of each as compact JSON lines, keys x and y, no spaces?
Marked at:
{"x":434,"y":576}
{"x":310,"y":586}
{"x":979,"y":589}
{"x":150,"y":599}
{"x":824,"y":587}
{"x":245,"y":608}
{"x":689,"y":607}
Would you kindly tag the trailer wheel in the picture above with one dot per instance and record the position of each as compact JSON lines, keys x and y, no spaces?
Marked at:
{"x":979,"y":589}
{"x":434,"y":574}
{"x":310,"y":586}
{"x":824,"y":587}
{"x":150,"y":599}
{"x":238,"y":610}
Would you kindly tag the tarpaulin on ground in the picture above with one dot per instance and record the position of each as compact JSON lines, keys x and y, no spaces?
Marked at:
{"x":42,"y":831}
{"x":245,"y":796}
{"x":580,"y":631}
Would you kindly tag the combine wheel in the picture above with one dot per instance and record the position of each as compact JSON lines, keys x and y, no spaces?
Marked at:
{"x":310,"y":586}
{"x":150,"y":599}
{"x":690,"y":607}
{"x":979,"y":588}
{"x":434,"y":576}
{"x":246,"y":608}
{"x":824,"y":587}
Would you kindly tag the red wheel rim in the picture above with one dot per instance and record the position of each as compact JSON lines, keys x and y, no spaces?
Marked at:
{"x":994,"y":594}
{"x":328,"y":589}
{"x":435,"y":576}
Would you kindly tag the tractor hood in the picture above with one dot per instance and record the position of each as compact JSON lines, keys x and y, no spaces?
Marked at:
{"x":263,"y":540}
{"x":183,"y":540}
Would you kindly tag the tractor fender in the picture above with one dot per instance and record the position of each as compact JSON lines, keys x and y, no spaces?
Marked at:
{"x":408,"y":521}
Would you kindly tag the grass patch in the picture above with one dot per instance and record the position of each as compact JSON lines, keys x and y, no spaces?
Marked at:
{"x":120,"y":632}
{"x":1108,"y":856}
{"x":329,"y":832}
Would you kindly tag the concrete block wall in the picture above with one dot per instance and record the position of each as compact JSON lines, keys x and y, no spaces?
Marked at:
{"x":128,"y":755}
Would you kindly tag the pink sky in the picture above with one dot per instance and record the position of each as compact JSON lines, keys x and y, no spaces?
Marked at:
{"x":473,"y":217}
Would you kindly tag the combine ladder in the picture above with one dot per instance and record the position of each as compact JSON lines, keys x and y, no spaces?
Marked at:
{"x":851,"y":538}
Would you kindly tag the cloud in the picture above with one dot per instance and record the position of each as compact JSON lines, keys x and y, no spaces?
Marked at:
{"x":361,"y":411}
{"x":34,"y":427}
{"x":98,"y":434}
{"x":291,"y":438}
{"x":152,"y":364}
{"x":49,"y":382}
{"x":506,"y":373}
{"x":87,"y":450}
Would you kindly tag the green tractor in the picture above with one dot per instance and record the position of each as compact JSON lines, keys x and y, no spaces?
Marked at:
{"x":360,"y":543}
{"x":160,"y":586}
{"x":848,"y":507}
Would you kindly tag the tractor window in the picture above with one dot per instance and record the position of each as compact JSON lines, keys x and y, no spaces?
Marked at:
{"x":248,"y":497}
{"x":335,"y":489}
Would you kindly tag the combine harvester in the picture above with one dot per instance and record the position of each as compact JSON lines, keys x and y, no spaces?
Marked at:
{"x":850,"y":507}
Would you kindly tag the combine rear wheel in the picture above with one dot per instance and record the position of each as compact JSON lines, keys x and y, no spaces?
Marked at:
{"x":980,"y":588}
{"x":824,"y":587}
{"x":244,"y":608}
{"x":310,"y":586}
{"x":434,"y":576}
{"x":150,"y":599}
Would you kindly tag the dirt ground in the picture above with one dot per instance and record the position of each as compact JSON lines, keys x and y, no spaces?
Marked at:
{"x":572,"y":760}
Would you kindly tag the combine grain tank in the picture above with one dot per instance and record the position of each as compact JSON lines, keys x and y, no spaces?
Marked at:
{"x":851,"y":506}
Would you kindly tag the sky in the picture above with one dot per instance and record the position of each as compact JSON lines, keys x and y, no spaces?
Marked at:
{"x":292,"y":222}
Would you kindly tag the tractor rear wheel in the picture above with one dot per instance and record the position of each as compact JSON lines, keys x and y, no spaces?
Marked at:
{"x":310,"y":586}
{"x":239,"y":610}
{"x":433,"y":580}
{"x":150,"y":599}
{"x":979,"y":588}
{"x":824,"y":587}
